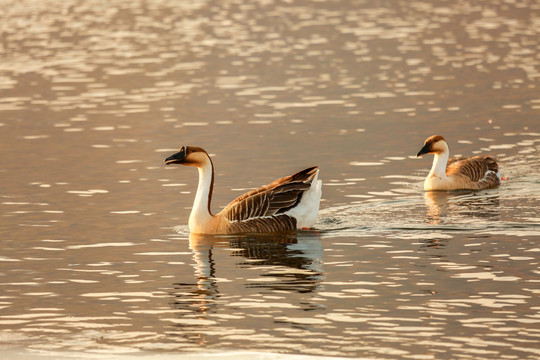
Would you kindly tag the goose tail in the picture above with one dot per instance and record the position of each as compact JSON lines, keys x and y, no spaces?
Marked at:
{"x":307,"y":209}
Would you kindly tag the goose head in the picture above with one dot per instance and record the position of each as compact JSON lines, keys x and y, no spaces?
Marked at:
{"x":433,"y":145}
{"x":189,"y":156}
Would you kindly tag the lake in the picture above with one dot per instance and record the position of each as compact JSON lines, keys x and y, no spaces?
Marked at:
{"x":97,"y":260}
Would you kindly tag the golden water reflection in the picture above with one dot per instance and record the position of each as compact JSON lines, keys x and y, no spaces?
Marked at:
{"x":300,"y":253}
{"x":445,"y":207}
{"x":267,"y":266}
{"x":284,"y":262}
{"x":93,"y":96}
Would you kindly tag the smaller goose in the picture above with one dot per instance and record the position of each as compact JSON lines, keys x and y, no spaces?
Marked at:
{"x":286,"y":204}
{"x":477,"y":172}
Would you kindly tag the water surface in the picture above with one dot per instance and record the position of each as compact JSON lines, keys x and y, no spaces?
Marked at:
{"x":96,"y":255}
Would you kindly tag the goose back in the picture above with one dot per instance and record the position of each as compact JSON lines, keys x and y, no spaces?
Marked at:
{"x":482,"y":170}
{"x":270,"y":200}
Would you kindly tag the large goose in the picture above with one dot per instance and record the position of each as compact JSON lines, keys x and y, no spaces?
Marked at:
{"x":286,"y":204}
{"x":477,"y":172}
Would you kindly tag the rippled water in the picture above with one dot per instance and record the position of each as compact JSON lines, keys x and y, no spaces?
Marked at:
{"x":96,"y":258}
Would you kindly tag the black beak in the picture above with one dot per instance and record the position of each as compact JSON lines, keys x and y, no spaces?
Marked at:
{"x":178,"y":158}
{"x":424,"y":150}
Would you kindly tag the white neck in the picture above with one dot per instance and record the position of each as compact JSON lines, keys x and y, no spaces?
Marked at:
{"x":438,"y":169}
{"x":200,"y":214}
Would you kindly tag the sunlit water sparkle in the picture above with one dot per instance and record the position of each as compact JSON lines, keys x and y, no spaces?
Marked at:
{"x":97,"y":259}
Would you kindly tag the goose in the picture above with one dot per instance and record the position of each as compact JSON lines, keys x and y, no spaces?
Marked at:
{"x":474,"y":173}
{"x":287,"y":204}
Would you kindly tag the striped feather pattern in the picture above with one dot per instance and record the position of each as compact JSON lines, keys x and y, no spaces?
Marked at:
{"x":272,"y":199}
{"x":478,"y":169}
{"x":279,"y":223}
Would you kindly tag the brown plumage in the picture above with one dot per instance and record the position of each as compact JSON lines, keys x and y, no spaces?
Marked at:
{"x":481,"y":170}
{"x":271,"y":224}
{"x":284,"y":205}
{"x":477,"y":172}
{"x":274,"y":198}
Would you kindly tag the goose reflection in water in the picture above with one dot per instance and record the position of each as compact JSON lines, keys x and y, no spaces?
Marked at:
{"x":458,"y":207}
{"x":290,"y":262}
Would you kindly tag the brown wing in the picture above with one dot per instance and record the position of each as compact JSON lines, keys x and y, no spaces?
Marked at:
{"x":272,"y":199}
{"x":476,"y":168}
{"x":270,"y":224}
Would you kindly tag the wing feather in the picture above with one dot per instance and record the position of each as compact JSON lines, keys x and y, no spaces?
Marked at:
{"x":270,"y":200}
{"x":479,"y":169}
{"x":276,"y":223}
